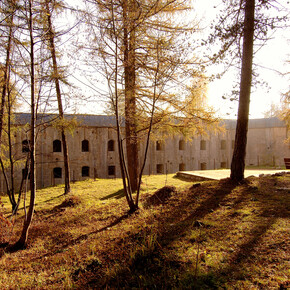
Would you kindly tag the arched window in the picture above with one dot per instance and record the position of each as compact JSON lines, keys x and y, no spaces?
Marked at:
{"x":57,"y":172}
{"x":85,"y":171}
{"x":85,"y":146}
{"x":111,"y":145}
{"x":25,"y":146}
{"x":56,"y":146}
{"x":181,"y":145}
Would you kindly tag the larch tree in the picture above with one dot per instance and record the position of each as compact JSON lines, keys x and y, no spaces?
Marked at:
{"x":31,"y":70}
{"x":29,"y":13}
{"x":10,"y":160}
{"x":129,"y":59}
{"x":48,"y":9}
{"x":7,"y":12}
{"x":133,"y":46}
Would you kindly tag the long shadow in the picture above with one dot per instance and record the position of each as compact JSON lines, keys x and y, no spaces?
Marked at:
{"x":171,"y":229}
{"x":208,"y":205}
{"x":53,"y":198}
{"x":253,"y":236}
{"x":48,"y":200}
{"x":241,"y":256}
{"x":81,"y":238}
{"x":117,"y":195}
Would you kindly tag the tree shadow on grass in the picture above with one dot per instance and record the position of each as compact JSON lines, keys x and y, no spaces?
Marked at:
{"x":182,"y":217}
{"x":209,"y":204}
{"x":67,"y":242}
{"x":171,"y":227}
{"x":53,"y":198}
{"x":117,"y":195}
{"x":268,"y":213}
{"x":237,"y":266}
{"x":36,"y":204}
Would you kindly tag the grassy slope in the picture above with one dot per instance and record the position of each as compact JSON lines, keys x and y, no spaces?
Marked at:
{"x":240,"y":240}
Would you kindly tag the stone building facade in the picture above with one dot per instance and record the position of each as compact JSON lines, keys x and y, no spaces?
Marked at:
{"x":93,"y":149}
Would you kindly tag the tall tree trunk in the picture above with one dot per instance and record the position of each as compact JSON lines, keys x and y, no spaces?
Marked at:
{"x":59,"y":100}
{"x":239,"y":154}
{"x":21,"y":243}
{"x":124,"y":173}
{"x":129,"y":7}
{"x":4,"y":90}
{"x":5,"y":78}
{"x":12,"y":188}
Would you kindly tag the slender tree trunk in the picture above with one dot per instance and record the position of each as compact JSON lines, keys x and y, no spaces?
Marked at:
{"x":129,"y":7}
{"x":12,"y":189}
{"x":21,"y":243}
{"x":4,"y":90}
{"x":59,"y":100}
{"x":239,"y":154}
{"x":6,"y":75}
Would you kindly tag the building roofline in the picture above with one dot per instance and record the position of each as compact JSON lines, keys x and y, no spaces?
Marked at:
{"x":109,"y":121}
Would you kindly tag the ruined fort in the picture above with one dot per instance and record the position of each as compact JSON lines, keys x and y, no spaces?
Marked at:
{"x":93,"y":149}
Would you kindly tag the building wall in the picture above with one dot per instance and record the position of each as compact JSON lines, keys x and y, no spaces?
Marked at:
{"x":266,"y":146}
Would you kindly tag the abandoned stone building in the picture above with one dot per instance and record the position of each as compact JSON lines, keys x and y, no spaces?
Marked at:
{"x":93,"y":152}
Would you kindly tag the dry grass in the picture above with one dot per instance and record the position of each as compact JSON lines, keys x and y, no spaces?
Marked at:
{"x":211,"y":235}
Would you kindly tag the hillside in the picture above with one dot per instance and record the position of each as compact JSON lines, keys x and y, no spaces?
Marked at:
{"x":188,"y":236}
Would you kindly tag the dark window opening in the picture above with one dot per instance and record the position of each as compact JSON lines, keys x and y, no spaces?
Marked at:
{"x":181,"y":167}
{"x":85,"y":146}
{"x":111,"y":170}
{"x":111,"y":145}
{"x":160,"y":168}
{"x":202,"y":145}
{"x":203,"y":166}
{"x":159,"y":145}
{"x":85,"y":171}
{"x":56,"y":146}
{"x":25,"y":146}
{"x":181,"y":145}
{"x":223,"y":165}
{"x":223,"y":144}
{"x":57,"y":172}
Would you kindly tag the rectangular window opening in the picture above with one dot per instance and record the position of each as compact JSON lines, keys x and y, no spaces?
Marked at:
{"x":160,"y":168}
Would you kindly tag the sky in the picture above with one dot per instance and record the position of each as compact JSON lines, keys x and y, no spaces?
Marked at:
{"x":272,"y":57}
{"x":271,"y":60}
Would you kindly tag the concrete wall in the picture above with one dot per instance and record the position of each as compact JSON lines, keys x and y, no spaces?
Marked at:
{"x":266,"y":146}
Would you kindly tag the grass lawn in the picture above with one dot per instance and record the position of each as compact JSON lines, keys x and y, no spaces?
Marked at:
{"x":206,"y":235}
